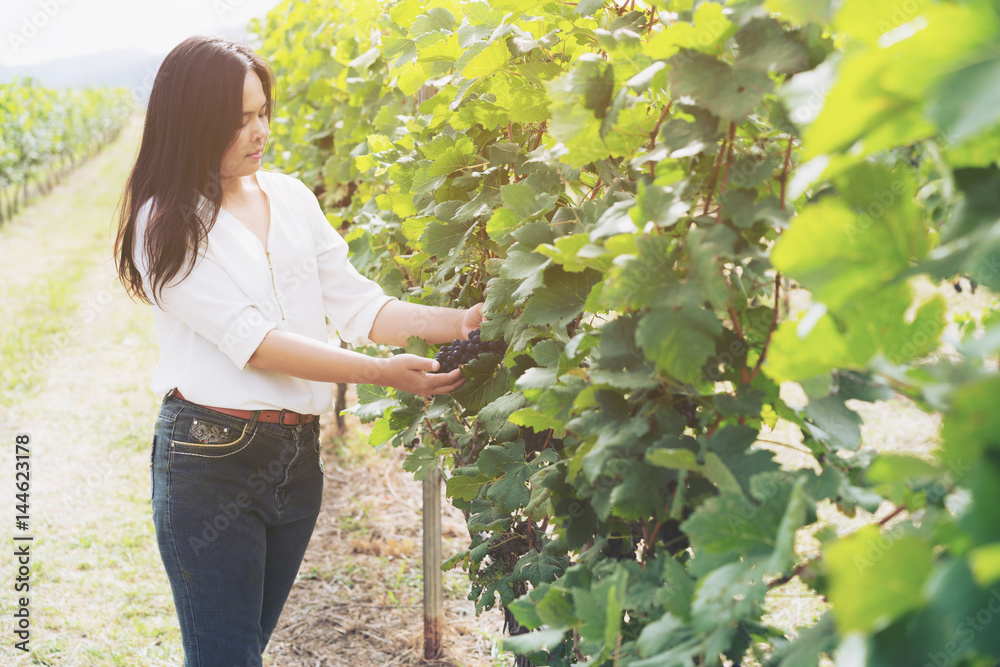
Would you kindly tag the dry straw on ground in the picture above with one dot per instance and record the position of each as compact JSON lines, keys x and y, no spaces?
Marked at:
{"x":358,"y":600}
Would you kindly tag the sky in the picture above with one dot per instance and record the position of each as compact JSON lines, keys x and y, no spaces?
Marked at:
{"x":36,"y":31}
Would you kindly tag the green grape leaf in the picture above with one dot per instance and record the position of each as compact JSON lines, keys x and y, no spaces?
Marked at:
{"x":420,"y":462}
{"x":465,"y":488}
{"x":436,"y":19}
{"x":732,"y":522}
{"x":488,"y":61}
{"x":534,"y":641}
{"x":677,"y":459}
{"x":497,"y":414}
{"x":837,"y":424}
{"x":642,"y":492}
{"x":382,"y":432}
{"x":728,"y":594}
{"x":709,"y":249}
{"x":809,"y":347}
{"x":728,"y":92}
{"x":501,"y":224}
{"x":967,"y":102}
{"x":679,"y":340}
{"x":522,"y":265}
{"x":839,"y":253}
{"x":661,"y":634}
{"x":801,"y":12}
{"x":600,"y":608}
{"x":443,"y":238}
{"x":707,"y":32}
{"x":882,"y":89}
{"x":369,"y":412}
{"x":555,"y":606}
{"x":875,"y":578}
{"x":733,"y":445}
{"x":538,"y":567}
{"x":488,"y":115}
{"x":588,"y":7}
{"x":526,"y":202}
{"x":765,"y":46}
{"x":868,"y":20}
{"x":511,"y":492}
{"x":561,"y":298}
{"x":485,"y":382}
{"x":566,"y":252}
{"x":971,"y":426}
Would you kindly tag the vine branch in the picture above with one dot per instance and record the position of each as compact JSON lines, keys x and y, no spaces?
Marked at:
{"x":576,"y":646}
{"x":770,"y":330}
{"x":784,"y":173}
{"x":730,"y":140}
{"x":656,"y":128}
{"x":715,"y":176}
{"x":736,"y":322}
{"x":538,"y":137}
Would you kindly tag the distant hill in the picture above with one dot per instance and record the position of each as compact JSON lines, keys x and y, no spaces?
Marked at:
{"x":132,"y":68}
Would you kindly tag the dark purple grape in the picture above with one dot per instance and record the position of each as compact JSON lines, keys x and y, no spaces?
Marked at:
{"x":684,"y":406}
{"x":459,"y":352}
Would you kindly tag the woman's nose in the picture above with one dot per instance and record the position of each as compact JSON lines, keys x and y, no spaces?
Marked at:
{"x":260,"y":128}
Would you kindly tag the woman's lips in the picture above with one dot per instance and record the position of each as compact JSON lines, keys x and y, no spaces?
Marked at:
{"x":256,"y":156}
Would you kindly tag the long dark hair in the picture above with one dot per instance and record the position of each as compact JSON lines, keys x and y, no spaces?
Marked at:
{"x":194,"y":115}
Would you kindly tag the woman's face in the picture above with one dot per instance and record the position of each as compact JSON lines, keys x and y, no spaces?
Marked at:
{"x":243,"y":156}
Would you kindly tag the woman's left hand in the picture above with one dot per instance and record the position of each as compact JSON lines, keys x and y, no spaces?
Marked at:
{"x":472,"y":319}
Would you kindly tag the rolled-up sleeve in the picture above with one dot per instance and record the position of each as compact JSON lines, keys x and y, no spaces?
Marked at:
{"x":210,"y":302}
{"x":351,"y":301}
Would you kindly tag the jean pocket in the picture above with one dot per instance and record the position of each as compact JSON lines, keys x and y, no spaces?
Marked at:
{"x":197,"y":434}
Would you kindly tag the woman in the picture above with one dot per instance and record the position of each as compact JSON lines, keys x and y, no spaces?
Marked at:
{"x":242,"y":268}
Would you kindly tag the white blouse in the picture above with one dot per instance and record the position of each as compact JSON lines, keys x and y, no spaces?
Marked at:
{"x":210,"y":323}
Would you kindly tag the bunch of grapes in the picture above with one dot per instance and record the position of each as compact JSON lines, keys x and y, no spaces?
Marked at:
{"x":459,"y":352}
{"x":620,"y":547}
{"x":686,"y":408}
{"x":671,"y":537}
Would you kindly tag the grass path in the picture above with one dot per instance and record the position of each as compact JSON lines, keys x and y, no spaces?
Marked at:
{"x":77,"y":359}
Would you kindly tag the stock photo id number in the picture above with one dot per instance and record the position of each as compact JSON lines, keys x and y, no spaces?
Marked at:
{"x":22,"y":541}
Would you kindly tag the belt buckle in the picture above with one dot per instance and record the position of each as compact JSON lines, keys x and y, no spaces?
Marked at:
{"x":281,"y":417}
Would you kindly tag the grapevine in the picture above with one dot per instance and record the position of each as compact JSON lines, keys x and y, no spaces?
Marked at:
{"x":44,"y":133}
{"x":635,"y":191}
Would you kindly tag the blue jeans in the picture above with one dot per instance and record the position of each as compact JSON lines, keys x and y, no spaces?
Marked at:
{"x":234,"y":504}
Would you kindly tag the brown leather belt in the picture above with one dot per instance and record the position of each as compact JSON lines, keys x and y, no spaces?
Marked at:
{"x":283,"y":417}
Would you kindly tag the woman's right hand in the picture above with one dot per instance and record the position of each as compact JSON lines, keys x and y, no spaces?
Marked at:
{"x":416,"y":375}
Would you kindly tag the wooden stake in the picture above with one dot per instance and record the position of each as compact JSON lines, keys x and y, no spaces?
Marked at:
{"x":433,"y":605}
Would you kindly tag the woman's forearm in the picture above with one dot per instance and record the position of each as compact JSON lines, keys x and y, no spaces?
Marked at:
{"x":302,"y":357}
{"x":398,"y":320}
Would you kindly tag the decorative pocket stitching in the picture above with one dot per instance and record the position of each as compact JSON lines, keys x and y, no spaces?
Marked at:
{"x":208,"y":448}
{"x":207,"y":433}
{"x":210,"y":435}
{"x":213,"y":432}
